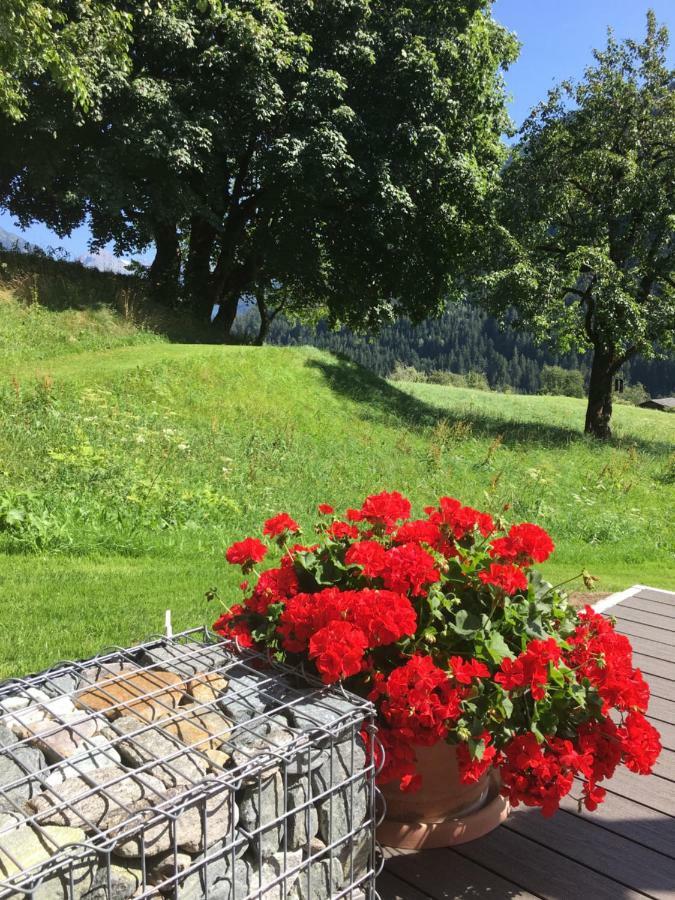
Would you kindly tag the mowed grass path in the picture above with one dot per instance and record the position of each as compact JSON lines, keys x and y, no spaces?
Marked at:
{"x":124,"y":474}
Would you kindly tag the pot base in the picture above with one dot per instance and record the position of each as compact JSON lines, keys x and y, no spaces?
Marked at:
{"x":453,"y":830}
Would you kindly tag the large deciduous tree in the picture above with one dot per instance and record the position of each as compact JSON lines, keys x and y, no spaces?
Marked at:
{"x":336,"y":154}
{"x":585,"y":247}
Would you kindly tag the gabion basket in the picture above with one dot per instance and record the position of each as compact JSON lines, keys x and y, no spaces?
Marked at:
{"x":186,"y":768}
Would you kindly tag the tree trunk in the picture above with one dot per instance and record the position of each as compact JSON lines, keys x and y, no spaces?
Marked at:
{"x":264,"y":318}
{"x":198,"y":266}
{"x":165,"y":269}
{"x":599,"y":409}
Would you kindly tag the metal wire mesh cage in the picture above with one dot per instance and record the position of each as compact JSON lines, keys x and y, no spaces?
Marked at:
{"x":184,"y":768}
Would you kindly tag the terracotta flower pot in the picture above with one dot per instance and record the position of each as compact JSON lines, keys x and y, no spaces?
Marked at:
{"x":444,"y":811}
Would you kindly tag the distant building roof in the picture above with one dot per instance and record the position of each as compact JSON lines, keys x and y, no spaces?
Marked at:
{"x":659,"y":403}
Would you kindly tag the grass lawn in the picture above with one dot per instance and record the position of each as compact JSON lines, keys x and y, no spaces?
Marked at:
{"x":126,"y":470}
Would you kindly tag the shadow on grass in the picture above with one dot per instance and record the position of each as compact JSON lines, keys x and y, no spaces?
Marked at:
{"x":383,"y":402}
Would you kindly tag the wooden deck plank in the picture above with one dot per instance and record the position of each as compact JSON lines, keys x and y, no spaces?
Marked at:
{"x":663,"y":710}
{"x":665,"y":764}
{"x":392,"y":888}
{"x":650,"y":665}
{"x":657,"y":595}
{"x":660,"y":622}
{"x":626,"y":817}
{"x":542,"y":871}
{"x":663,"y":688}
{"x":447,"y":875}
{"x":647,"y":647}
{"x":655,"y":635}
{"x":604,"y":852}
{"x":667,"y":610}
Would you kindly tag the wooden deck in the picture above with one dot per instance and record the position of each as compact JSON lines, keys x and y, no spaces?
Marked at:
{"x":625,"y":850}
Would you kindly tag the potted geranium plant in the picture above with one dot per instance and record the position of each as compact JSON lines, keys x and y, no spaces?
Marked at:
{"x":490,"y":688}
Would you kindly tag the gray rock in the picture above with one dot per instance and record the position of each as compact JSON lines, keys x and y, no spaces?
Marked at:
{"x":7,"y":737}
{"x":167,"y":865}
{"x":242,"y":700}
{"x":123,"y":884}
{"x":100,"y":755}
{"x":247,"y":747}
{"x":311,"y":712}
{"x":22,"y":848}
{"x":272,"y":868}
{"x":60,"y":743}
{"x":153,"y":744}
{"x":345,"y":808}
{"x":18,"y":763}
{"x":319,"y":880}
{"x":63,"y":682}
{"x":73,"y":804}
{"x":156,"y":838}
{"x":259,"y":804}
{"x":186,"y":659}
{"x":354,"y":856}
{"x":302,"y":825}
{"x":218,"y":877}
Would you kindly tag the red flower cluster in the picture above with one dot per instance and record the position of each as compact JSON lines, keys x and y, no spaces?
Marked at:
{"x":231,"y":625}
{"x":530,"y":669}
{"x":375,"y":619}
{"x":246,"y":553}
{"x":507,"y":578}
{"x":412,"y":613}
{"x":523,"y":545}
{"x":605,"y":659}
{"x":540,"y":774}
{"x":460,"y":520}
{"x":471,"y":768}
{"x":382,"y":510}
{"x":281,"y":525}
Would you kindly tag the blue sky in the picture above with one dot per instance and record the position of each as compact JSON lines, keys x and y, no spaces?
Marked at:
{"x":557,"y":38}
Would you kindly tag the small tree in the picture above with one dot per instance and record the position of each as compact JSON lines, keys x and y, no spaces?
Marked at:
{"x":586,"y":218}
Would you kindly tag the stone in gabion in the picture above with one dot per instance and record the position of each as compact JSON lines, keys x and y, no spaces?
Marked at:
{"x":22,"y":761}
{"x":347,"y":806}
{"x":260,"y":803}
{"x":124,"y":882}
{"x":151,"y":745}
{"x":302,"y":825}
{"x":321,"y":877}
{"x":29,"y":848}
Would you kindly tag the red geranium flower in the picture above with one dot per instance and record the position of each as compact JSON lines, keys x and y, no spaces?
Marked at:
{"x":523,"y":545}
{"x":370,"y":555}
{"x":384,"y":509}
{"x":245,"y":553}
{"x":325,"y":509}
{"x":509,"y":579}
{"x":337,"y":651}
{"x":280,"y":525}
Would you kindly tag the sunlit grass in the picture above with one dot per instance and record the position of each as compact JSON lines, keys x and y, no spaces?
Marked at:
{"x":125,"y":472}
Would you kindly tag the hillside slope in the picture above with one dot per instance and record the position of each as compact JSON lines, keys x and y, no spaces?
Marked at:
{"x":125,"y":472}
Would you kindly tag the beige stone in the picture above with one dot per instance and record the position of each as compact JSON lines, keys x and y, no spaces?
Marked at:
{"x":219,"y":758}
{"x":207,"y":686}
{"x":124,"y":693}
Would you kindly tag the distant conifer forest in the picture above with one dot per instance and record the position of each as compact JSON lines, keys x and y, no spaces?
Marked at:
{"x":464,"y":340}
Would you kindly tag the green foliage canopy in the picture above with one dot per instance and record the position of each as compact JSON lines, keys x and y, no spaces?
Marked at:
{"x":586,"y":215}
{"x":340,"y":152}
{"x":72,"y":42}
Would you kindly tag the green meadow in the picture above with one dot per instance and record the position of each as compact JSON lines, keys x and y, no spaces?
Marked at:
{"x":129,"y":463}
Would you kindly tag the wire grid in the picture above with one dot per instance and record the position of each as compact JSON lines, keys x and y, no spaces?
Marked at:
{"x":285,"y":808}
